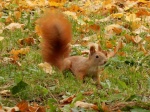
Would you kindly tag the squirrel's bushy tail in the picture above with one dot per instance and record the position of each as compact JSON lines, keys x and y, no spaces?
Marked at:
{"x":56,"y":35}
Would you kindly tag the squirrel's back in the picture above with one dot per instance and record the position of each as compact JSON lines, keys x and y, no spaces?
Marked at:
{"x":56,"y":34}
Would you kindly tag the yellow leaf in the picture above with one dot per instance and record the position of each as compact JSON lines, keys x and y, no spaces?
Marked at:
{"x":107,"y":2}
{"x":46,"y":67}
{"x":135,"y":25}
{"x":17,"y":14}
{"x":56,"y":3}
{"x":15,"y":54}
{"x":143,"y":49}
{"x":132,"y":18}
{"x":117,"y":15}
{"x":1,"y":38}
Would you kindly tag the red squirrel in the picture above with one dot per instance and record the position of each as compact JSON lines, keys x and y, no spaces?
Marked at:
{"x":56,"y":35}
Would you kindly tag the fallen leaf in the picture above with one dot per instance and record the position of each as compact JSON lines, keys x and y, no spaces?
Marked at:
{"x":142,"y":48}
{"x":109,"y":44}
{"x":14,"y":26}
{"x":117,"y":15}
{"x":136,"y":39}
{"x":88,"y":93}
{"x":142,"y":12}
{"x":23,"y":106}
{"x":132,"y":18}
{"x":117,"y":30}
{"x":46,"y":67}
{"x":17,"y":15}
{"x":67,"y":100}
{"x":56,"y":3}
{"x":86,"y":105}
{"x":128,"y":37}
{"x":116,"y":49}
{"x":105,"y":108}
{"x":5,"y":93}
{"x":27,"y":41}
{"x":1,"y":38}
{"x":95,"y":27}
{"x":141,"y":29}
{"x":72,"y":14}
{"x":15,"y":54}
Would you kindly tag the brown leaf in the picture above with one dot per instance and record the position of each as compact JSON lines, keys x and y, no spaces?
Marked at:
{"x":23,"y":106}
{"x":128,"y":37}
{"x":117,"y":30}
{"x":109,"y":44}
{"x":142,"y":12}
{"x":147,"y":38}
{"x":15,"y":54}
{"x":143,"y":49}
{"x":86,"y":105}
{"x":95,"y":27}
{"x":67,"y":100}
{"x":105,"y":108}
{"x":116,"y":49}
{"x":17,"y":14}
{"x":88,"y":93}
{"x":27,"y":41}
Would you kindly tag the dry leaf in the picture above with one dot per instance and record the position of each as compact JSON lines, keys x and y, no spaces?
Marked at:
{"x":14,"y":26}
{"x":46,"y":67}
{"x":136,"y":39}
{"x":15,"y":54}
{"x":5,"y":93}
{"x":109,"y":44}
{"x":117,"y":15}
{"x":129,"y":4}
{"x":141,"y":29}
{"x":23,"y":106}
{"x":88,"y":93}
{"x":1,"y":38}
{"x":95,"y":27}
{"x":142,"y":12}
{"x":86,"y":105}
{"x":117,"y":30}
{"x":72,"y":14}
{"x":56,"y":3}
{"x":17,"y":14}
{"x":132,"y":18}
{"x":27,"y":41}
{"x":67,"y":100}
{"x":142,"y":48}
{"x":112,"y":29}
{"x":113,"y":53}
{"x":105,"y":108}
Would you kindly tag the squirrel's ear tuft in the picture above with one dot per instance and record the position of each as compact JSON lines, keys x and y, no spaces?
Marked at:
{"x":99,"y":48}
{"x":92,"y":50}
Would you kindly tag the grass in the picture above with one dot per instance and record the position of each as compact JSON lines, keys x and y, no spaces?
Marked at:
{"x":124,"y":78}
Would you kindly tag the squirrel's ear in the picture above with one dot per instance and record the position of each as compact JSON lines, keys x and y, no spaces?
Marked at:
{"x":99,"y":48}
{"x":92,"y":50}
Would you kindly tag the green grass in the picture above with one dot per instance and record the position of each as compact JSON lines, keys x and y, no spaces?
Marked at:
{"x":124,"y":78}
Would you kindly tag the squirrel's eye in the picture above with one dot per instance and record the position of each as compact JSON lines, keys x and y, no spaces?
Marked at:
{"x":97,"y":56}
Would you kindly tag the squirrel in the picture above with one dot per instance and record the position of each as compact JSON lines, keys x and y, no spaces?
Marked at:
{"x":56,"y":36}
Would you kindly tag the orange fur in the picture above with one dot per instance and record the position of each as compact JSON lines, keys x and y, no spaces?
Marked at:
{"x":56,"y":34}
